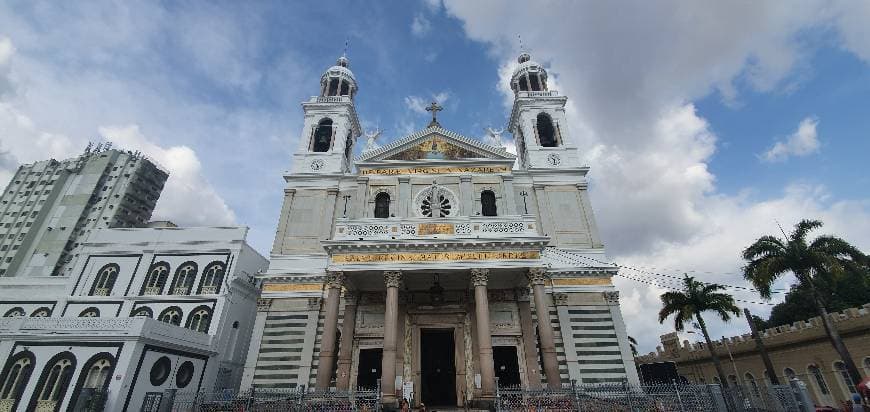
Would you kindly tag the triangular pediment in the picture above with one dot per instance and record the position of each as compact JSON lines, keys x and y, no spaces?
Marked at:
{"x":435,"y":143}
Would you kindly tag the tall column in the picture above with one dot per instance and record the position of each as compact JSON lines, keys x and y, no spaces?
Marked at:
{"x":392,"y":280}
{"x":404,"y":197}
{"x":537,"y":278}
{"x":507,"y":184}
{"x":345,"y":346}
{"x":479,"y":279}
{"x":533,"y":373}
{"x":466,"y":196}
{"x":334,"y":281}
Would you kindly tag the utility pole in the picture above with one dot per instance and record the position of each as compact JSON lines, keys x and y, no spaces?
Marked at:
{"x":759,"y":345}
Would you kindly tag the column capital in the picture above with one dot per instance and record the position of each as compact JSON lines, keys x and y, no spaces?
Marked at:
{"x":611,"y":297}
{"x":289,"y":191}
{"x":507,"y":177}
{"x":479,"y":277}
{"x":464,"y":178}
{"x":404,"y":179}
{"x":332,"y":190}
{"x":362,"y":179}
{"x":538,"y":276}
{"x":538,"y":186}
{"x":334,"y":279}
{"x":393,"y":278}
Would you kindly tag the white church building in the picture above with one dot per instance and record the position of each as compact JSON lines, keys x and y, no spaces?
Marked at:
{"x":144,"y":311}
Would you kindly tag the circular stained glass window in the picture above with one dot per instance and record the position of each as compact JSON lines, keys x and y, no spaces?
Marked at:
{"x":184,"y":374}
{"x":160,"y":371}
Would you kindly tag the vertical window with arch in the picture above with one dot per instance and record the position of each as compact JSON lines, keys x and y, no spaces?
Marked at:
{"x":487,"y":203}
{"x":382,"y":205}
{"x":845,"y":380}
{"x":53,"y":383}
{"x":41,"y":313}
{"x":16,"y":375}
{"x":184,"y":278}
{"x":95,"y":374}
{"x":333,"y":87}
{"x":143,"y":311}
{"x":16,"y":312}
{"x":155,"y":280}
{"x":200,"y":319}
{"x":749,"y":378}
{"x":212,"y":278}
{"x":90,"y":313}
{"x":321,"y":140}
{"x":789,"y":374}
{"x":171,"y":315}
{"x":105,"y":280}
{"x":819,"y":379}
{"x":546,"y":131}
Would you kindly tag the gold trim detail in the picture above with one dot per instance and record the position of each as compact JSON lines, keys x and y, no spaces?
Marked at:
{"x":351,"y":258}
{"x":292,"y":287}
{"x":436,"y":170}
{"x":581,"y":281}
{"x":434,"y":229}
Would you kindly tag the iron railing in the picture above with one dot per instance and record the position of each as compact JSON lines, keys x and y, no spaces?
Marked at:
{"x":278,"y":400}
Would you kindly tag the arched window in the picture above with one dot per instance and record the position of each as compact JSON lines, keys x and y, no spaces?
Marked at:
{"x":199,"y":319}
{"x":322,"y":139}
{"x":845,"y":380}
{"x":821,"y":385}
{"x":95,"y":375}
{"x":382,"y":205}
{"x":156,"y":279}
{"x":546,"y":131}
{"x":53,"y":383}
{"x":345,"y":88}
{"x":752,"y":383}
{"x":732,"y":380}
{"x":333,"y":87}
{"x":867,"y":365}
{"x":536,"y":82}
{"x":143,"y":311}
{"x":212,"y":278}
{"x":41,"y":313}
{"x":90,"y":313}
{"x":716,"y":380}
{"x":105,"y":280}
{"x":15,"y":313}
{"x":184,"y":277}
{"x":789,"y":374}
{"x":16,"y":374}
{"x":171,"y":315}
{"x":487,"y":203}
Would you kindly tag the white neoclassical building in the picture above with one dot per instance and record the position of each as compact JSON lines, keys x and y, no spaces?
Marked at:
{"x":143,"y":312}
{"x":437,"y":266}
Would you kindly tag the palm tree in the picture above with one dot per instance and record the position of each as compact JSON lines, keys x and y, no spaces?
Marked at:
{"x":770,"y":257}
{"x":632,"y":343}
{"x":697,"y":297}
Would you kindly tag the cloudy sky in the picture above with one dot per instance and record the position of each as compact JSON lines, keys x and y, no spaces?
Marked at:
{"x":705,"y":123}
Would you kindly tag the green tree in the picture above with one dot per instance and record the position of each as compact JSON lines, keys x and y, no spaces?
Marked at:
{"x":851,"y":289}
{"x":688,"y":304}
{"x":814,"y":264}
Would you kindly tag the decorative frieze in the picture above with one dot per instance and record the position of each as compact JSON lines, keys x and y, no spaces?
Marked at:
{"x":263,"y":304}
{"x":460,"y":226}
{"x":352,"y":258}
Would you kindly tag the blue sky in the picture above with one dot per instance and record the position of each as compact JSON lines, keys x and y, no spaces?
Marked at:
{"x":703,"y":122}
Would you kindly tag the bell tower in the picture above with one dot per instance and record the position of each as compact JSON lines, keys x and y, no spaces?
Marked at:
{"x":331,"y":126}
{"x":538,"y":120}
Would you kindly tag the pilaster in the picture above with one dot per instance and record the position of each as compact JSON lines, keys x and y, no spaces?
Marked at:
{"x":507,"y":182}
{"x":467,"y":195}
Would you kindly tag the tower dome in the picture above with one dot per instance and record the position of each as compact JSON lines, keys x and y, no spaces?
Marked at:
{"x":529,"y":76}
{"x":338,"y":80}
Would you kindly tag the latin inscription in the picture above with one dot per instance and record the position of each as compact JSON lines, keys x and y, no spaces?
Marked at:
{"x":433,"y":256}
{"x":436,"y":170}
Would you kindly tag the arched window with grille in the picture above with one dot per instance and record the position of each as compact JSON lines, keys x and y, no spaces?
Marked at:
{"x":200,"y":319}
{"x":41,"y":313}
{"x":749,"y":378}
{"x":321,"y":140}
{"x":53,"y":383}
{"x":487,"y":203}
{"x":16,"y":375}
{"x":819,"y":380}
{"x":16,"y":312}
{"x":155,"y":280}
{"x":143,"y":311}
{"x":546,"y":131}
{"x":184,"y":278}
{"x":845,"y":380}
{"x":95,"y":375}
{"x":105,"y":280}
{"x":382,"y":205}
{"x":90,"y":313}
{"x":212,"y":278}
{"x":171,"y":315}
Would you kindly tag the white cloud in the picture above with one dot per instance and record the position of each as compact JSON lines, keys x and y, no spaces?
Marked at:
{"x":187,"y":199}
{"x":802,"y":142}
{"x":7,"y":49}
{"x":418,"y":104}
{"x":420,"y":26}
{"x":631,"y":72}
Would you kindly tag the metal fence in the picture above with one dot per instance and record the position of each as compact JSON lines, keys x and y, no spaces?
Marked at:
{"x":653,"y":398}
{"x":277,"y":400}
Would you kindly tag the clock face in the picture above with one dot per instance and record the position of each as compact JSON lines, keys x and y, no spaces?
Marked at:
{"x":317,"y":164}
{"x":554,"y":159}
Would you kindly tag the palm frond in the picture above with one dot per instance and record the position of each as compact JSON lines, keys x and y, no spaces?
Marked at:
{"x":765,"y":246}
{"x":802,"y":228}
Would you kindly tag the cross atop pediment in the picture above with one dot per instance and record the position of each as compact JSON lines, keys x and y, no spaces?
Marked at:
{"x":434,"y":108}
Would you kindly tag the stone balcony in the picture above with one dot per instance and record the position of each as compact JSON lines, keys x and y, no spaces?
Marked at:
{"x":102,"y":329}
{"x":461,"y":227}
